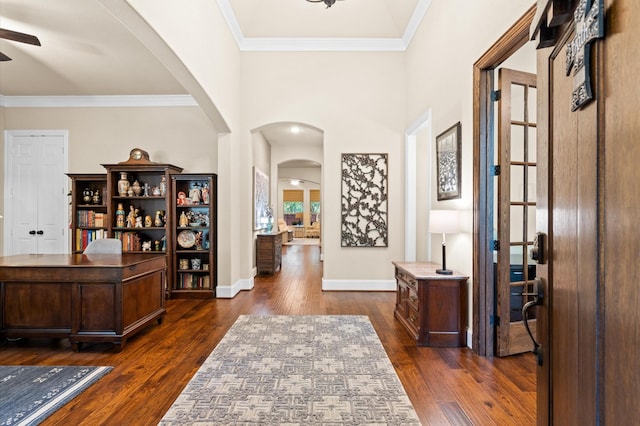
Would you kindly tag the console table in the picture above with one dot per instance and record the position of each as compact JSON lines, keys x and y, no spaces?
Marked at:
{"x":430,"y":306}
{"x":85,"y":298}
{"x":269,"y":252}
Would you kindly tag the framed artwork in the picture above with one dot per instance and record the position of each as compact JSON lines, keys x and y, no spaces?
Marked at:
{"x":364,"y":200}
{"x":260,"y":197}
{"x":448,"y":146}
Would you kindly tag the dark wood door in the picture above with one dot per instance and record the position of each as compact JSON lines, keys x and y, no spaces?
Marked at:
{"x":587,"y":204}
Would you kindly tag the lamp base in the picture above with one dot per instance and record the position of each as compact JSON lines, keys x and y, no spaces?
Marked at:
{"x":444,"y":271}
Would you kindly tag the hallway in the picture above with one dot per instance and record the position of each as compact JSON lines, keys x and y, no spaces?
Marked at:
{"x":446,"y":386}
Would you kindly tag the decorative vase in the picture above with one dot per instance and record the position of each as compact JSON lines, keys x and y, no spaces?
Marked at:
{"x":137,"y":189}
{"x":270,"y":225}
{"x":97,"y":198}
{"x":86,"y":196}
{"x":120,"y":216}
{"x":123,"y":184}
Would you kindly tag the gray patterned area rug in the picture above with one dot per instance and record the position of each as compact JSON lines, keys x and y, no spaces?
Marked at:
{"x":295,"y":370}
{"x":30,"y":394}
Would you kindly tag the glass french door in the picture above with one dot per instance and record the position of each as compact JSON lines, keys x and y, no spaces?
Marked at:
{"x":516,"y":209}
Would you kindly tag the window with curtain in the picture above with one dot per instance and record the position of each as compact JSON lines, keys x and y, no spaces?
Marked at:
{"x":314,"y":205}
{"x":293,"y":206}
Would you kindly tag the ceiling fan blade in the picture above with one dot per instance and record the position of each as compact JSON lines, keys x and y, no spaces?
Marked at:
{"x":4,"y":57}
{"x":21,"y":37}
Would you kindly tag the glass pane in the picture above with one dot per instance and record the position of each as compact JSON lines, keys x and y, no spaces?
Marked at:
{"x":516,"y":233}
{"x":531,"y":104}
{"x":531,"y":222}
{"x":517,"y":102}
{"x":532,"y":144}
{"x":517,"y":183}
{"x":516,"y":301}
{"x":516,"y":256}
{"x":531,"y":183}
{"x":517,"y":142}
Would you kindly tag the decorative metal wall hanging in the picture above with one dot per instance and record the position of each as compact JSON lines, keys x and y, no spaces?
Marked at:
{"x":448,"y":146}
{"x":364,"y":200}
{"x":589,"y":20}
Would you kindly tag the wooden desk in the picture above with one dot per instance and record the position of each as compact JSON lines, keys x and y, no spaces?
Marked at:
{"x":86,"y":298}
{"x":430,"y":306}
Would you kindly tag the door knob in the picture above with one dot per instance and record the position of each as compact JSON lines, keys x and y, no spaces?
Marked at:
{"x":40,"y":232}
{"x":32,"y":232}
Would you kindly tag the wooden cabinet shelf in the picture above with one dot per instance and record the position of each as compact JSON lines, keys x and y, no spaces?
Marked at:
{"x":194,"y":231}
{"x":84,"y":215}
{"x":163,"y":197}
{"x":430,"y":306}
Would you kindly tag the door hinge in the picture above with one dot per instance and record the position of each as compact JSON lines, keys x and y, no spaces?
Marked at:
{"x":494,"y":320}
{"x":495,"y":95}
{"x":496,"y":170}
{"x":495,"y":245}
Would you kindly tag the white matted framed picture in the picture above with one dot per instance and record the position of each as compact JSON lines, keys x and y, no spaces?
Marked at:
{"x":260,"y":197}
{"x":448,"y":146}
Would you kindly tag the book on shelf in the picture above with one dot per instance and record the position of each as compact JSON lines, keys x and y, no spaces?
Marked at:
{"x":189,"y":281}
{"x":90,"y":219}
{"x":85,"y":236}
{"x":131,"y":241}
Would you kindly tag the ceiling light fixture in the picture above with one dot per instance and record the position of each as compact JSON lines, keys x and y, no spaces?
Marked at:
{"x":295,"y":182}
{"x":295,"y":130}
{"x":329,"y":3}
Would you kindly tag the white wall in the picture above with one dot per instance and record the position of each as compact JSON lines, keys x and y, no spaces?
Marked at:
{"x":358,"y":100}
{"x":182,"y":136}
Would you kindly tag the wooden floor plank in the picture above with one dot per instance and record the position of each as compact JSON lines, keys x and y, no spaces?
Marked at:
{"x":446,"y":386}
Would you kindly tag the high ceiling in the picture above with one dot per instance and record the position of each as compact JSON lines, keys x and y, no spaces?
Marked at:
{"x":86,"y":52}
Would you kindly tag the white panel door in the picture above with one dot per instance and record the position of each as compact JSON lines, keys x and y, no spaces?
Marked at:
{"x":35,"y":192}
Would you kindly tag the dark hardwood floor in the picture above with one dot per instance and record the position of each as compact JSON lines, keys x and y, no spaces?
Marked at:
{"x":446,"y":386}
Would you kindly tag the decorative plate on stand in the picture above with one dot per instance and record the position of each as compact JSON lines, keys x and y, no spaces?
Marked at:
{"x":186,"y":239}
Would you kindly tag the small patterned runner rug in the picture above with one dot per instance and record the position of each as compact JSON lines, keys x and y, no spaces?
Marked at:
{"x":30,"y":394}
{"x":295,"y":370}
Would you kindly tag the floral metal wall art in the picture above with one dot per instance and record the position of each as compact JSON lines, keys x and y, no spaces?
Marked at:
{"x":364,"y":200}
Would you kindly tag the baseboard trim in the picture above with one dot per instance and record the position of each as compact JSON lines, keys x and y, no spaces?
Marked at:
{"x":228,"y":292}
{"x":358,"y":285}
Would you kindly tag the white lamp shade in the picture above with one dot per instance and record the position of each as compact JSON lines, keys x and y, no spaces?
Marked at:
{"x":444,"y":222}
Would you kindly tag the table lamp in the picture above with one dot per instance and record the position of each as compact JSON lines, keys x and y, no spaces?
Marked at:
{"x":444,"y":222}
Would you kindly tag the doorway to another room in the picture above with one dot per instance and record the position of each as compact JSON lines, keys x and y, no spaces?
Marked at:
{"x":35,"y":164}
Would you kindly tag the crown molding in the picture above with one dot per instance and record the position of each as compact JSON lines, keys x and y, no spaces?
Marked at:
{"x":266,"y":44}
{"x":322,"y":45}
{"x":96,"y":101}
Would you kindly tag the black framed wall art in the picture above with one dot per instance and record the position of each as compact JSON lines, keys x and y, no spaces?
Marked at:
{"x":364,"y":200}
{"x":448,"y":146}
